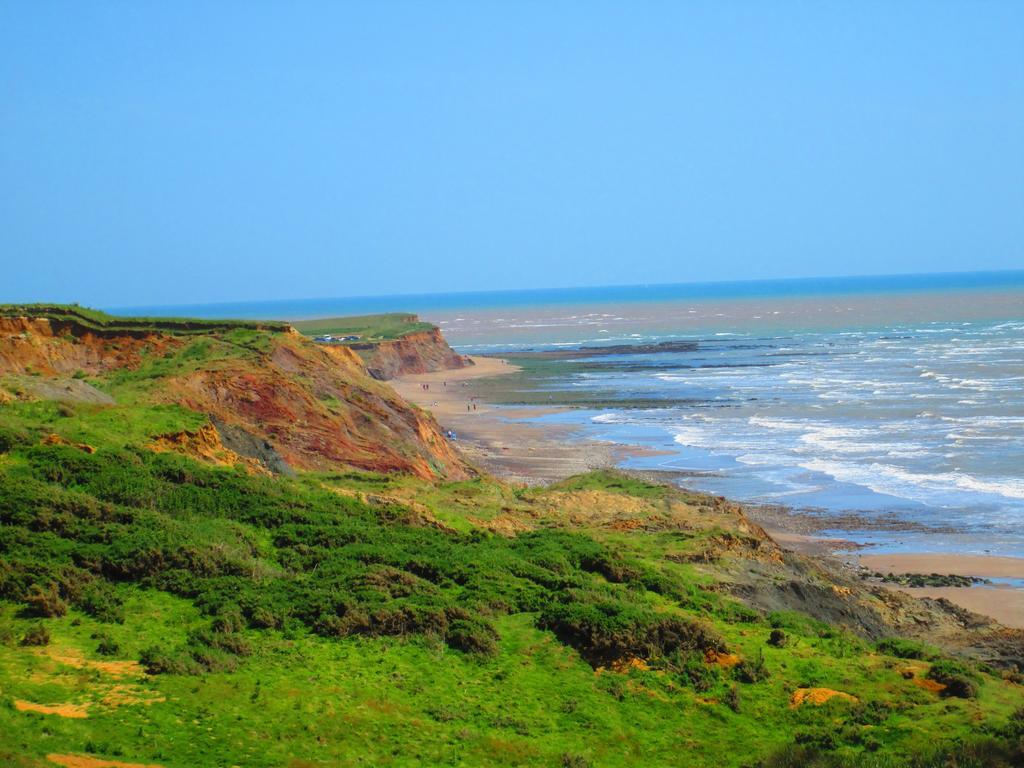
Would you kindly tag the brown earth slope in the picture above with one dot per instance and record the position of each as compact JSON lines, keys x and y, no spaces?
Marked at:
{"x":418,"y":352}
{"x":314,"y":406}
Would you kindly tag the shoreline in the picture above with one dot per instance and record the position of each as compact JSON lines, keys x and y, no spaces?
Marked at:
{"x":504,"y":441}
{"x":500,"y":439}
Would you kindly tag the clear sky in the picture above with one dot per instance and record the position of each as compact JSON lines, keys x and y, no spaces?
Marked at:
{"x":188,"y":152}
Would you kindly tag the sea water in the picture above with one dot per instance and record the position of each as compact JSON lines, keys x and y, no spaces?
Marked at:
{"x":877,"y":398}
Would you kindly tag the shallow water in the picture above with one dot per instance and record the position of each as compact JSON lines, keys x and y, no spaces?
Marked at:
{"x":921,"y":417}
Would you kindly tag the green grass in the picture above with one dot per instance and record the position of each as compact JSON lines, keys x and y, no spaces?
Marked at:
{"x":368,"y":327}
{"x":290,"y":622}
{"x":354,"y":618}
{"x":101,"y":322}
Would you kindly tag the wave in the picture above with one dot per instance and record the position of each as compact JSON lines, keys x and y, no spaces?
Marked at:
{"x":895,"y":481}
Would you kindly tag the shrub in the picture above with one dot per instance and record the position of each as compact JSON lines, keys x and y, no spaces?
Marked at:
{"x":902,"y":648}
{"x":45,"y":601}
{"x":777,"y":638}
{"x":102,"y":603}
{"x":698,"y":675}
{"x":732,"y":699}
{"x":11,"y":439}
{"x":604,"y":629}
{"x":960,"y":681}
{"x":574,"y":761}
{"x":37,"y":634}
{"x":751,"y":671}
{"x":107,"y":646}
{"x":472,"y":636}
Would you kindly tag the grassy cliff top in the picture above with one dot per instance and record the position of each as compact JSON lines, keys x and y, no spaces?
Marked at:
{"x":96,"y":320}
{"x":393,"y":325}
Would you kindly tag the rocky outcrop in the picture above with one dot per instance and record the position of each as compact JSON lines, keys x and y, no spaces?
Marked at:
{"x":418,"y":352}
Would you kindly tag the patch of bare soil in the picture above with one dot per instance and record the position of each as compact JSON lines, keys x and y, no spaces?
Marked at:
{"x":932,"y":686}
{"x":205,"y":445}
{"x":74,"y":658}
{"x":73,"y":711}
{"x":724,"y":660}
{"x":818,"y":696}
{"x":84,"y":761}
{"x":54,"y":439}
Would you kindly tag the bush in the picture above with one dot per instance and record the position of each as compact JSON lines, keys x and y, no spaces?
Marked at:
{"x":45,"y":601}
{"x":107,"y":646}
{"x":12,"y":438}
{"x":604,"y":629}
{"x":960,"y":681}
{"x":699,"y":675}
{"x":472,"y":636}
{"x":102,"y":603}
{"x":732,"y":699}
{"x":902,"y":648}
{"x":37,"y":634}
{"x":751,"y":671}
{"x":777,"y":638}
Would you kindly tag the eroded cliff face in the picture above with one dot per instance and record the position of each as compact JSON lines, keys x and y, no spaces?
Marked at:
{"x":315,"y":407}
{"x":319,"y":409}
{"x":420,"y":352}
{"x":37,"y":345}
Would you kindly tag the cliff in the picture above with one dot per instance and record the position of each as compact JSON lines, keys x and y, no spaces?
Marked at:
{"x":417,"y":352}
{"x":391,"y":344}
{"x":272,"y":395}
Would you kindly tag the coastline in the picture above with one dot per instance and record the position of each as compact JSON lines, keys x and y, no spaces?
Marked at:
{"x":501,"y":439}
{"x":507,"y":442}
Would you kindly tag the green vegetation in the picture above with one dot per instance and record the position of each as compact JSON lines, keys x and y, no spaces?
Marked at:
{"x":101,"y":322}
{"x":156,"y":609}
{"x":369,"y":328}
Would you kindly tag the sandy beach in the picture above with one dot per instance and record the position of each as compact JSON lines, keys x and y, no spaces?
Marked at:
{"x":501,"y":440}
{"x":1001,"y":602}
{"x":495,"y":438}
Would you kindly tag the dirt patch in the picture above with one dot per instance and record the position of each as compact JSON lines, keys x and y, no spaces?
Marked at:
{"x":932,"y":686}
{"x":818,"y":696}
{"x":83,"y":761}
{"x":505,"y":525}
{"x":74,"y":659}
{"x":54,"y":439}
{"x":724,"y":660}
{"x":129,"y":695}
{"x":205,"y":445}
{"x":622,"y":666}
{"x":73,"y":711}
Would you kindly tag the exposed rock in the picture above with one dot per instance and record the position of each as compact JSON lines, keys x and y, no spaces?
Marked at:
{"x":62,"y":390}
{"x":419,"y":352}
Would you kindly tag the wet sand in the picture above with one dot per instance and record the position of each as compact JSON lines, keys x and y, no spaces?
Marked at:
{"x":501,"y":441}
{"x":1003,"y":603}
{"x":962,"y":565}
{"x":495,"y":438}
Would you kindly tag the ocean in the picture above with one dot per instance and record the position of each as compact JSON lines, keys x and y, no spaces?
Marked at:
{"x":877,"y":399}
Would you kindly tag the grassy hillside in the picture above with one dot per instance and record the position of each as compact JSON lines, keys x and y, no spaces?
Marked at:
{"x":369,"y":328}
{"x":101,"y":322}
{"x":166,"y":609}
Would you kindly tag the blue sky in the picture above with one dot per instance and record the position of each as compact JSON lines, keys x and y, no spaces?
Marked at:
{"x":190,"y":152}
